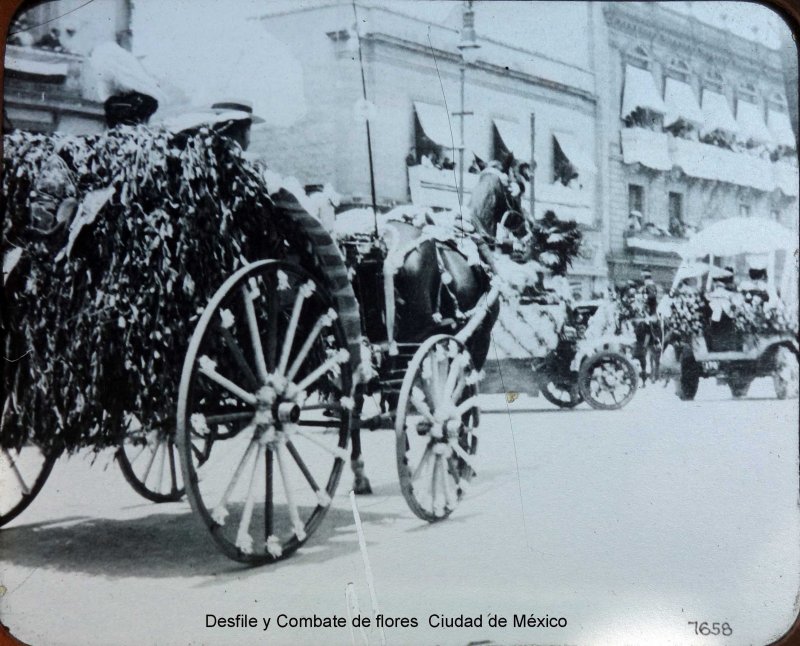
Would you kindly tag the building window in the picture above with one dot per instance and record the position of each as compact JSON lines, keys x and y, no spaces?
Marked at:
{"x":714,"y":81}
{"x":639,"y":57}
{"x":635,"y":208}
{"x":677,"y":226}
{"x":744,"y":210}
{"x":747,"y":92}
{"x":777,"y":102}
{"x":564,"y":170}
{"x":679,"y":70}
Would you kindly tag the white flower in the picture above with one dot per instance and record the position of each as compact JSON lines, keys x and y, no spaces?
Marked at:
{"x":227,"y":318}
{"x":274,"y":546}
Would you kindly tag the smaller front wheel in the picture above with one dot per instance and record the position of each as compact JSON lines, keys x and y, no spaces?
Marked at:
{"x":785,"y":373}
{"x":607,"y":380}
{"x":437,"y":416}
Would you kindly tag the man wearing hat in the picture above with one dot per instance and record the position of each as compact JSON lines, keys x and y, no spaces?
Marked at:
{"x":231,"y":118}
{"x":234,"y":118}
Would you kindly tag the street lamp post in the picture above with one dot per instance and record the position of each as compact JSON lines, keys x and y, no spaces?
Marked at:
{"x":468,"y":47}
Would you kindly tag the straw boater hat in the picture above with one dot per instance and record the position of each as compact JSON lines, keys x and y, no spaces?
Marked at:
{"x":219,"y":112}
{"x":235,"y":110}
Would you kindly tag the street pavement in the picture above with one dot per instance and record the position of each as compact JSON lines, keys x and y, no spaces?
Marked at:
{"x":628,"y":524}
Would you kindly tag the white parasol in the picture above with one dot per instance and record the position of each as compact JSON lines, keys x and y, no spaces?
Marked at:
{"x":697,"y":269}
{"x":736,"y":236}
{"x":209,"y":52}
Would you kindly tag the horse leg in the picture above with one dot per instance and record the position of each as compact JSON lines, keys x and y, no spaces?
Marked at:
{"x":361,"y":485}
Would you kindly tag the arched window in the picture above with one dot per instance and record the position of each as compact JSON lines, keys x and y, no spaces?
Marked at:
{"x":679,"y":70}
{"x":639,"y":57}
{"x":777,"y":102}
{"x":714,"y":81}
{"x":747,"y":92}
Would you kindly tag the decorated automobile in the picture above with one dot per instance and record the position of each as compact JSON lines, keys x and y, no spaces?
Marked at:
{"x":728,"y":315}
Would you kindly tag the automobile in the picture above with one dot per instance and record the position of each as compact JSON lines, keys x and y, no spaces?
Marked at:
{"x":714,"y":327}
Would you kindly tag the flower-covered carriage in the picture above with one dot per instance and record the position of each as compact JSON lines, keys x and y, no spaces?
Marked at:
{"x":715,"y":328}
{"x":120,"y":247}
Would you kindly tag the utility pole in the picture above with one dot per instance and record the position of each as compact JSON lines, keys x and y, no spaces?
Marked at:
{"x":468,"y":47}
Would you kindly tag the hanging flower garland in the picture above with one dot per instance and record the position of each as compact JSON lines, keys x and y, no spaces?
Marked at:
{"x":124,"y":238}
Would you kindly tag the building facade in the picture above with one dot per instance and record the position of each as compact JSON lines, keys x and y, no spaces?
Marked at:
{"x":45,"y":61}
{"x":518,"y":99}
{"x":643,"y":122}
{"x":697,"y":129}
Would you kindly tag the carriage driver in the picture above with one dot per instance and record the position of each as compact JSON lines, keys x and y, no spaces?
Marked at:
{"x":234,"y":119}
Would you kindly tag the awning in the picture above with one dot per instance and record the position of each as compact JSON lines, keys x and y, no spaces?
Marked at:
{"x":646,"y":147}
{"x":681,"y":103}
{"x":657,"y":245}
{"x":575,"y":152}
{"x":435,"y":124}
{"x":717,"y":113}
{"x":738,"y":235}
{"x":566,"y":203}
{"x":705,"y":161}
{"x":693,"y":158}
{"x":786,"y":178}
{"x":48,"y":69}
{"x":437,"y":127}
{"x":781,"y":129}
{"x":516,"y":138}
{"x":640,"y":92}
{"x":751,"y":124}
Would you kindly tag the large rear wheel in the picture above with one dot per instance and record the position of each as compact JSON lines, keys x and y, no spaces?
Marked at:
{"x":266,"y":383}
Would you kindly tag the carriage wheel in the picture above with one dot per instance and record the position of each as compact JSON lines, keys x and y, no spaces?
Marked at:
{"x":149,"y":461}
{"x":562,"y":394}
{"x":607,"y":380}
{"x":437,"y":416}
{"x":687,"y":382}
{"x":23,"y":472}
{"x":266,"y":382}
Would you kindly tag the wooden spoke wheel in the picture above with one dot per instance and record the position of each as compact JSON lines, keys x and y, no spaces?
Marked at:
{"x":436,"y":422}
{"x":266,"y":381}
{"x":149,"y":461}
{"x":607,"y":380}
{"x":561,"y":394}
{"x":23,"y":472}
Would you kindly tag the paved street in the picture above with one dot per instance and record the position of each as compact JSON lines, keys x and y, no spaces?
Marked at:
{"x":629,"y":524}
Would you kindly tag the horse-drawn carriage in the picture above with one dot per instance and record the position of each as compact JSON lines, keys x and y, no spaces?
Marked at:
{"x":279,"y":357}
{"x":714,"y":328}
{"x":121,"y":246}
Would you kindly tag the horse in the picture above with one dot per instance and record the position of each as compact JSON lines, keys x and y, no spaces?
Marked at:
{"x":435,"y":282}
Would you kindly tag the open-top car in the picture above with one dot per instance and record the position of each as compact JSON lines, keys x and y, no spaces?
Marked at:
{"x":727,"y":315}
